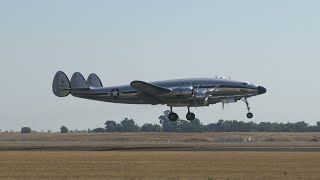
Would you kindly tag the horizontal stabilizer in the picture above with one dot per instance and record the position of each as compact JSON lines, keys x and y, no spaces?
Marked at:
{"x":148,"y":88}
{"x":61,"y":85}
{"x":78,"y":82}
{"x":94,"y":80}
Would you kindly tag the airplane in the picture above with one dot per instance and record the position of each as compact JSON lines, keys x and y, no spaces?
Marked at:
{"x":195,"y":92}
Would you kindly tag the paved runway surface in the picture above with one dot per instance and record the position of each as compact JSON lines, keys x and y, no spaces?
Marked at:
{"x":168,"y":148}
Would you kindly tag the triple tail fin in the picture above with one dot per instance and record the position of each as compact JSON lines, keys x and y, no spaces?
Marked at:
{"x":94,"y":81}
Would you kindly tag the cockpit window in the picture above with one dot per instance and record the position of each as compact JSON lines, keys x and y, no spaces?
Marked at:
{"x":246,"y":84}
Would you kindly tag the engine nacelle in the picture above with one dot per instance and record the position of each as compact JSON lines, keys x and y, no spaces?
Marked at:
{"x":182,"y":91}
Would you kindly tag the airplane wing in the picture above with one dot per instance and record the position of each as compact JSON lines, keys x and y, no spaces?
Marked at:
{"x":148,"y":88}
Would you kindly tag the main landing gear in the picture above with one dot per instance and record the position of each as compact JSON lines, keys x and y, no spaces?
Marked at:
{"x":174,"y":116}
{"x":190,"y":116}
{"x":249,"y":114}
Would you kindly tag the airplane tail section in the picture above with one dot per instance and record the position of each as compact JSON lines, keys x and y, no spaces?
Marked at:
{"x":94,"y":80}
{"x":61,"y":86}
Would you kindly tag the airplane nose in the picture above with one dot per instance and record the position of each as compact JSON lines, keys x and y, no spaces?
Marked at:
{"x":261,"y":90}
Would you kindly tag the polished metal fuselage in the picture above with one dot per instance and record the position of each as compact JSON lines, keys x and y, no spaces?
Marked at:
{"x":182,"y":93}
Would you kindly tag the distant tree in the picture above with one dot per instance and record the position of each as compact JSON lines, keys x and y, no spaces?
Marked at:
{"x":157,"y":128}
{"x":99,"y":130}
{"x":26,"y":130}
{"x":183,"y":126}
{"x":167,"y":125}
{"x":147,"y":128}
{"x":64,"y":129}
{"x":150,"y":128}
{"x":318,"y":123}
{"x":212,"y":127}
{"x":220,"y":125}
{"x":286,"y":129}
{"x":191,"y":126}
{"x":111,"y":126}
{"x":300,"y":126}
{"x":128,"y":125}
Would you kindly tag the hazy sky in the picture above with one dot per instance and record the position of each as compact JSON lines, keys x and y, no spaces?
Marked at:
{"x":272,"y":43}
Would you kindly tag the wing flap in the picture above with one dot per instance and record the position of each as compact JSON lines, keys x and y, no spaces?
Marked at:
{"x":148,"y":88}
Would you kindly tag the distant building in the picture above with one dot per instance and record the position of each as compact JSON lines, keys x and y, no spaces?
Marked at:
{"x":246,"y":139}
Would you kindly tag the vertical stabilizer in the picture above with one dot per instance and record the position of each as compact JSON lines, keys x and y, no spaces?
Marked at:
{"x":78,"y":82}
{"x":61,"y":85}
{"x":94,"y":80}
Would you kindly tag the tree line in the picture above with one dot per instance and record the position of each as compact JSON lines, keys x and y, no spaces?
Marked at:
{"x":129,"y":125}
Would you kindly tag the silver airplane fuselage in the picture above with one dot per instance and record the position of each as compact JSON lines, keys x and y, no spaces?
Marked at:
{"x":182,"y":94}
{"x":193,"y":92}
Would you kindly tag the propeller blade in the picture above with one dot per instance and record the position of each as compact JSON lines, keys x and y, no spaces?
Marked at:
{"x":206,"y":101}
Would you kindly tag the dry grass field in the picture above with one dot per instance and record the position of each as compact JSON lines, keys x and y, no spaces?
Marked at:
{"x":206,"y":165}
{"x":159,"y":165}
{"x":181,"y":137}
{"x":9,"y":141}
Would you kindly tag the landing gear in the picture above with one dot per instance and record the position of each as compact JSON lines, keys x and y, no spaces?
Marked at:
{"x":190,"y":116}
{"x":249,"y":114}
{"x":172,"y":115}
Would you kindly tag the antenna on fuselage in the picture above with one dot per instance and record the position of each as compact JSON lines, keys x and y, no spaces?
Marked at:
{"x":224,"y":77}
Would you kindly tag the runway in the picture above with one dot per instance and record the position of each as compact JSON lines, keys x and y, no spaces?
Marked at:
{"x":164,"y":148}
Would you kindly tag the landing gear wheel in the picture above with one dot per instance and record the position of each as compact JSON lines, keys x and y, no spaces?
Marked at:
{"x":190,"y":116}
{"x":173,"y":116}
{"x":249,"y":115}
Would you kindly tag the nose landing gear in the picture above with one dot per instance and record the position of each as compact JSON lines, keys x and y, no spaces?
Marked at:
{"x":249,"y":114}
